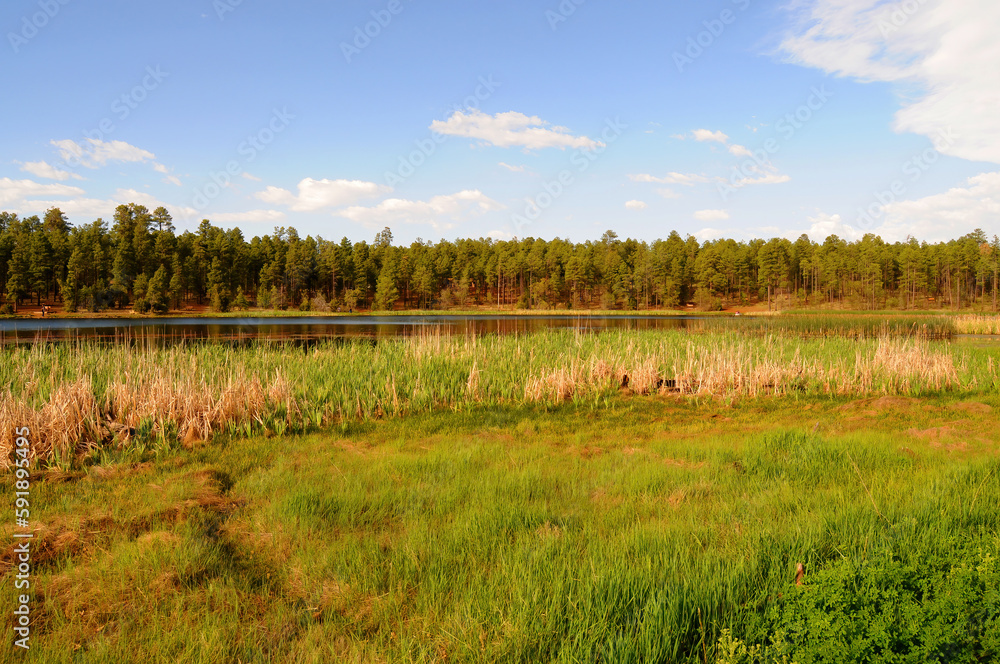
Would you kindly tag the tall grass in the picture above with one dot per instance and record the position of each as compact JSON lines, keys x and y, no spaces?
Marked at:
{"x":80,"y":398}
{"x":973,"y":324}
{"x":635,"y":532}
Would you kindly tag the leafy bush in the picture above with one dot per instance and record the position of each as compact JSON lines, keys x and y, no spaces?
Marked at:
{"x":941,"y":605}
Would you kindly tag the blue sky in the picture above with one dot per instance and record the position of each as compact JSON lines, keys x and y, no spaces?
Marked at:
{"x":473,"y":119}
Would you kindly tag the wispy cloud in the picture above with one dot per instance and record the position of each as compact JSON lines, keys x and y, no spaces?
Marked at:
{"x":440,"y":212}
{"x":94,"y":153}
{"x":711,"y":215}
{"x":944,"y":55}
{"x":511,"y":129}
{"x":703,"y":135}
{"x":318,"y":194}
{"x":45,"y":170}
{"x":17,"y":190}
{"x":250,"y":217}
{"x":686,"y":179}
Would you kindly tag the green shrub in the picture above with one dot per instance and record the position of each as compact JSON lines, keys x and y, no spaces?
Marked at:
{"x":939,"y":605}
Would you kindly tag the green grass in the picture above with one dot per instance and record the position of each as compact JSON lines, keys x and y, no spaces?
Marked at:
{"x":623,"y":529}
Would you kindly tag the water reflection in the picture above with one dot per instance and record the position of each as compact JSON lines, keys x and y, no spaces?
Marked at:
{"x":177,"y":330}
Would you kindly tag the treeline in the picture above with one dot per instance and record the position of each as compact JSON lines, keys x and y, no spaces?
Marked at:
{"x":140,"y":262}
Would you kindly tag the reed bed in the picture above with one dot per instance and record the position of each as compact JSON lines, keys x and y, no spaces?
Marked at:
{"x":975,"y":324}
{"x":83,"y":398}
{"x":840,"y":325}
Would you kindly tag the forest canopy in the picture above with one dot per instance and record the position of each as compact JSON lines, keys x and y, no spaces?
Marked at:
{"x":139,"y":261}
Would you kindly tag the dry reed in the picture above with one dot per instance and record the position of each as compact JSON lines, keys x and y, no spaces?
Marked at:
{"x":190,"y":394}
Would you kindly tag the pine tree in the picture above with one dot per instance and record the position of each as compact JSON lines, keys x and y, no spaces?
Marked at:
{"x":386,"y":292}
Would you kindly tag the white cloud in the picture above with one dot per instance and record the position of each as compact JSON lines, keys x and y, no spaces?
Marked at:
{"x":947,"y":215}
{"x":702,"y":135}
{"x":824,"y":225}
{"x":944,"y":55}
{"x":667,"y":193}
{"x":711,"y":215}
{"x":636,"y":205}
{"x":172,"y":179}
{"x":499,"y":235}
{"x":754,"y":174}
{"x":92,"y":208}
{"x":251,"y":217}
{"x":711,"y":234}
{"x":45,"y":170}
{"x":515,"y":169}
{"x":17,"y":190}
{"x":317,"y":194}
{"x":250,"y":177}
{"x":95,"y":153}
{"x":687,"y":179}
{"x":739,"y":151}
{"x":440,"y":212}
{"x":511,"y":129}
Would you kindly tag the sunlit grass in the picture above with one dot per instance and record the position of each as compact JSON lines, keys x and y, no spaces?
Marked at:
{"x":631,"y":530}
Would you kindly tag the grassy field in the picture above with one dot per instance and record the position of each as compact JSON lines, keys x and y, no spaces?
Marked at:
{"x":565,"y":497}
{"x":636,"y":529}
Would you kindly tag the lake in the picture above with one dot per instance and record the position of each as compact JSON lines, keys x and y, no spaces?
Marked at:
{"x":178,"y":329}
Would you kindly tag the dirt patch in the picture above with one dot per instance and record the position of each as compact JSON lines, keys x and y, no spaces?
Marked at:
{"x":934,"y":433}
{"x":973,"y":407}
{"x":872,"y":407}
{"x":66,"y":539}
{"x":883,"y":404}
{"x":587,"y":451}
{"x":348,"y":446}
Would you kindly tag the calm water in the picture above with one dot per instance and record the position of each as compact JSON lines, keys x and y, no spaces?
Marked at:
{"x":166,"y":331}
{"x":169,"y":330}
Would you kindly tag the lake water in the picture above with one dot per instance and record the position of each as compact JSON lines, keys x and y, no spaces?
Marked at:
{"x":167,"y":330}
{"x":306,"y":329}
